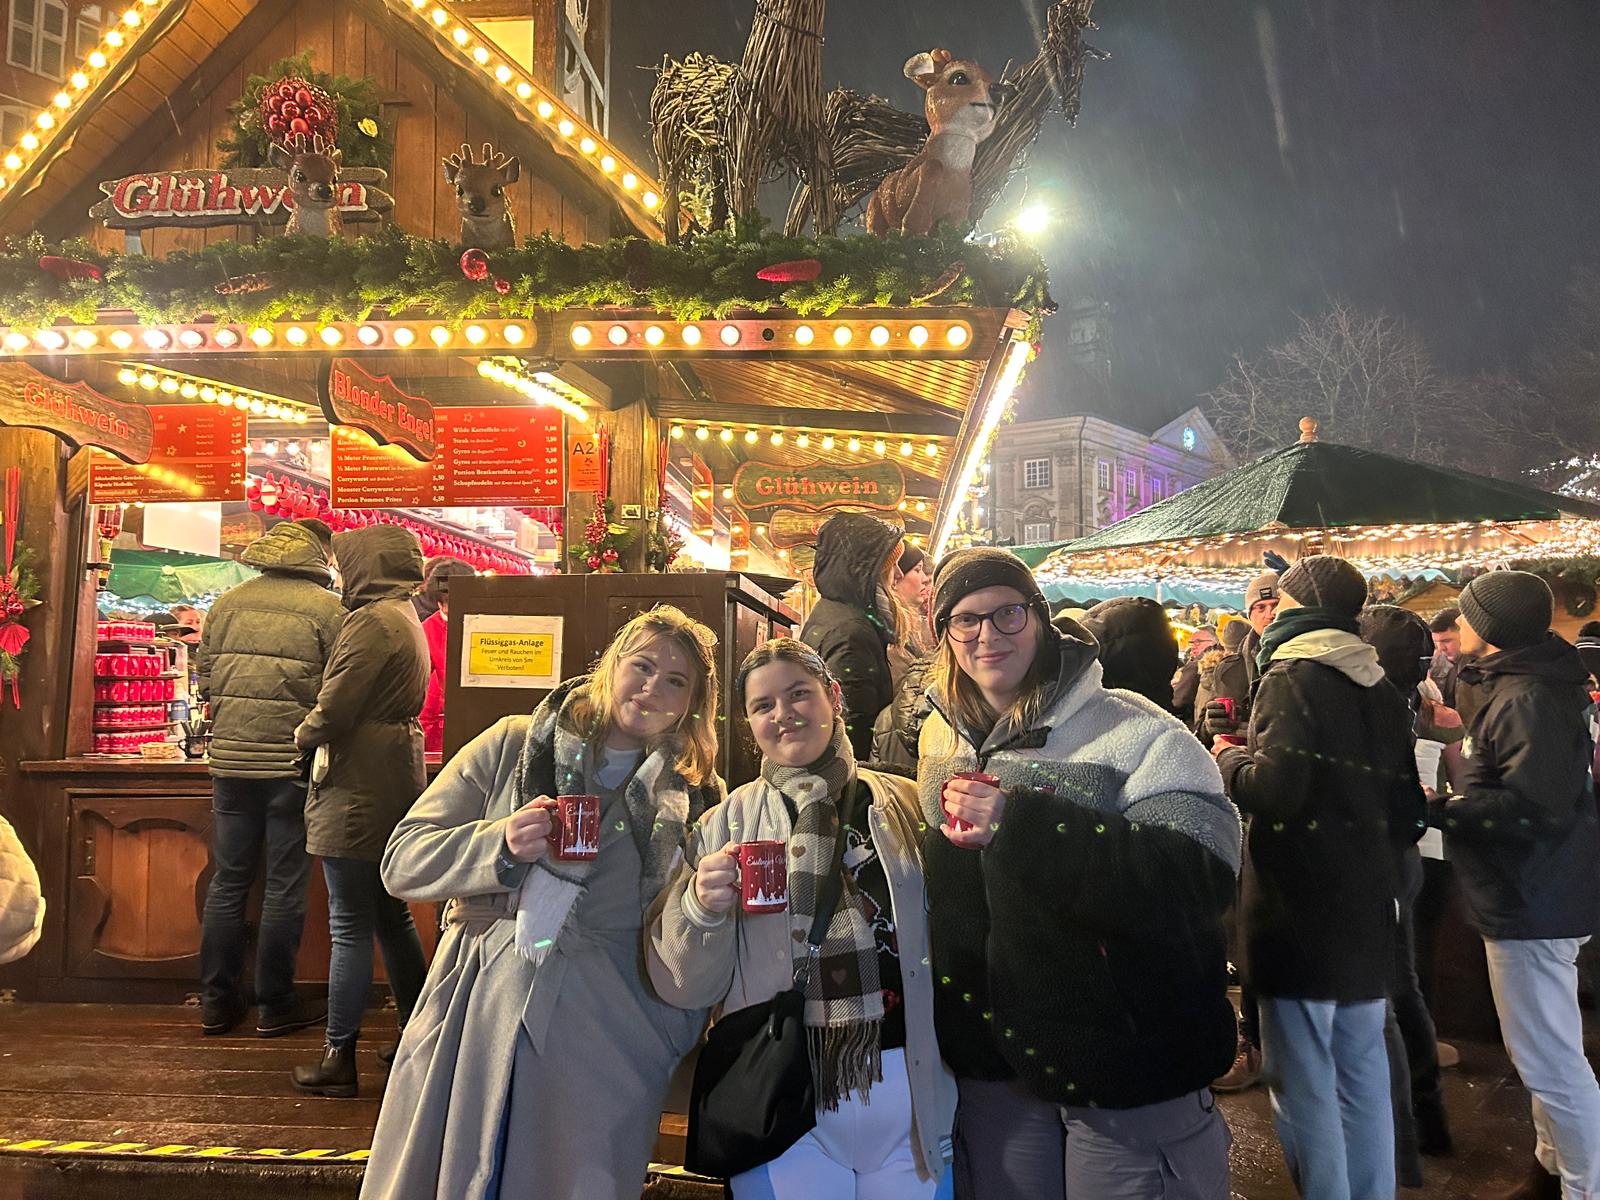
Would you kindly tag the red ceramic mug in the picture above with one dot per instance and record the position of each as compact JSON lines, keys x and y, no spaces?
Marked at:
{"x":763,"y":876}
{"x":1227,"y":706}
{"x":1229,"y":739}
{"x":575,"y":828}
{"x":956,"y":823}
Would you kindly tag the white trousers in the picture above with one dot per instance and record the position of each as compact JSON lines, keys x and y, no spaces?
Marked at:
{"x":1535,"y":986}
{"x":858,"y":1152}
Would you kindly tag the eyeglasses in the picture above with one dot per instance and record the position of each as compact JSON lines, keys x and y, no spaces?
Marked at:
{"x":1007,"y":619}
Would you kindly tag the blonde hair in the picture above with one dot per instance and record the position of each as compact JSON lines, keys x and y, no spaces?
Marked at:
{"x":695,"y":733}
{"x":967,"y":704}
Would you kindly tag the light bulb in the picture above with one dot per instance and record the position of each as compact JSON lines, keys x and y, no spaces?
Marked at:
{"x":750,"y":436}
{"x":879,"y":336}
{"x":842,"y":335}
{"x":726,"y":435}
{"x":804,"y":335}
{"x":581,"y":336}
{"x":691,"y":335}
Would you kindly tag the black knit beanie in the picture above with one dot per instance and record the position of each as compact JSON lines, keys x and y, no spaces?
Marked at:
{"x":910,"y":557}
{"x":1508,"y":608}
{"x":1325,"y":581}
{"x":978,"y":567}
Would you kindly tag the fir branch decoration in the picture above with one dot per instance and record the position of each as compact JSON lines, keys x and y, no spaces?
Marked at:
{"x":347,"y":279}
{"x":361,"y":134}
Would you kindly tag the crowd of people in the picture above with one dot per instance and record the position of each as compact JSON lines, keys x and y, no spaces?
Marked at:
{"x":1020,"y":854}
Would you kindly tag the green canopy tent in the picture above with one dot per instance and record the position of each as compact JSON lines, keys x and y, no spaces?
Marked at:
{"x":1394,"y":515}
{"x":168,"y":577}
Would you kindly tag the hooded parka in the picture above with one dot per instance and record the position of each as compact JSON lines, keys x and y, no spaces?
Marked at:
{"x":849,"y":625}
{"x":372,"y":691}
{"x":261,"y":657}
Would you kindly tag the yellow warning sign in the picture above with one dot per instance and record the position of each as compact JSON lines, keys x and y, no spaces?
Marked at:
{"x":511,"y":654}
{"x":510,"y":650}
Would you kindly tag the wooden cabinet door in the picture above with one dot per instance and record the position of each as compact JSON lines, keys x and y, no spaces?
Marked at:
{"x":138,"y":869}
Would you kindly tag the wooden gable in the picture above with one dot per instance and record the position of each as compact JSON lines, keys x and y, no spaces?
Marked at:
{"x":171,"y":110}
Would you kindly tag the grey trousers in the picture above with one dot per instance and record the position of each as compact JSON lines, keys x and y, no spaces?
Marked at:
{"x":1011,"y":1145}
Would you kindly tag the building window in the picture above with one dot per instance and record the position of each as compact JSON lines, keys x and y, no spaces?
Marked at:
{"x":1036,"y":472}
{"x":13,"y":120}
{"x":86,"y":32}
{"x":1130,"y":483}
{"x":38,"y":37}
{"x":1158,"y":490}
{"x":1102,"y":475}
{"x":1036,"y":531}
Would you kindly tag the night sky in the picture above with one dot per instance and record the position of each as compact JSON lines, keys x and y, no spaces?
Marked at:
{"x":1238,"y":163}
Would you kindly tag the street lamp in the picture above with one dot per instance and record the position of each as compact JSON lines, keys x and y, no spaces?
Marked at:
{"x":1032,"y":221}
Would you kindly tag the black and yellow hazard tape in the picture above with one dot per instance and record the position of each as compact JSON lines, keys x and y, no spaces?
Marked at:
{"x":175,"y":1150}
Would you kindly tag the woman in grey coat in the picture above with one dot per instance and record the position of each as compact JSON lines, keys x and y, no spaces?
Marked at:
{"x":537,"y":1061}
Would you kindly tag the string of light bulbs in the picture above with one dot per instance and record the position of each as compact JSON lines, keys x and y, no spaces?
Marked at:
{"x":779,"y":435}
{"x":541,"y":387}
{"x":210,"y":391}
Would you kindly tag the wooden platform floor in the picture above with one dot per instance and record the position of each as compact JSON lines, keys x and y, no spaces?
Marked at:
{"x":131,"y":1102}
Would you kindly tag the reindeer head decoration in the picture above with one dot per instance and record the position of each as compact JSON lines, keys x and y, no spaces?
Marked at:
{"x":481,"y":196}
{"x":313,"y":169}
{"x":936,"y":186}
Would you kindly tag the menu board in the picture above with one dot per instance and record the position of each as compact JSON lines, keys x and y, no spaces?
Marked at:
{"x":500,"y":454}
{"x":197,"y":452}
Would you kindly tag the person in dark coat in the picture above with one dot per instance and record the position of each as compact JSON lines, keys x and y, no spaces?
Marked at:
{"x":1234,"y":678}
{"x":854,"y":623}
{"x":1138,"y":650}
{"x":259,"y":665}
{"x":1405,"y":645}
{"x":367,"y":770}
{"x":1523,"y":837}
{"x":1329,"y":780}
{"x":1186,"y":684}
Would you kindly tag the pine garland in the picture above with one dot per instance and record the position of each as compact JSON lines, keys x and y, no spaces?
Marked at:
{"x":345,"y":279}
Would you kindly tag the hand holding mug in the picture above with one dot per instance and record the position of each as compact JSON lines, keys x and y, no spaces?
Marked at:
{"x":716,"y":880}
{"x":528,"y":830}
{"x":1220,"y":717}
{"x":980,"y":803}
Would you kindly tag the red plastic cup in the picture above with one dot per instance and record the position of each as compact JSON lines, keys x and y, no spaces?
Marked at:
{"x":575,"y":828}
{"x":763,"y":876}
{"x":956,"y":823}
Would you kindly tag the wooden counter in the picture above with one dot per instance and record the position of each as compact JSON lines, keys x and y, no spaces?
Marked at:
{"x":125,"y":878}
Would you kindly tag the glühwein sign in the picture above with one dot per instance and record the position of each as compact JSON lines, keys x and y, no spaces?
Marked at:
{"x":374,"y":403}
{"x":246,"y":195}
{"x":764,"y":485}
{"x":74,"y":412}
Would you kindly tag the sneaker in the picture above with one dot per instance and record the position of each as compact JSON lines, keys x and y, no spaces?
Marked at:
{"x":303,"y":1014}
{"x":218,"y":1019}
{"x":1449,"y":1056}
{"x":1245,"y":1072}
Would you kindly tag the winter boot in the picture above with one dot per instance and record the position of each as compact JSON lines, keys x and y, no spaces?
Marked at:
{"x":1245,"y":1072}
{"x":301,"y":1014}
{"x":387,"y":1052}
{"x":335,"y":1075}
{"x":1433,"y":1130}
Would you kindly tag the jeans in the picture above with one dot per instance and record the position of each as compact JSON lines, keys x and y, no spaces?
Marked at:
{"x":859,"y":1150}
{"x":358,"y":908}
{"x":1535,"y":986}
{"x":249,"y":816}
{"x":1328,"y":1071}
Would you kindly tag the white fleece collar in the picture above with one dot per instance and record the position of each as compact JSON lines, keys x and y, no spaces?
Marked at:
{"x":1344,"y":652}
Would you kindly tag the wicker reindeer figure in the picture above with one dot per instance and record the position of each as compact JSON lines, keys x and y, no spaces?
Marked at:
{"x":313,"y":169}
{"x":936,"y":185}
{"x":481,"y":196}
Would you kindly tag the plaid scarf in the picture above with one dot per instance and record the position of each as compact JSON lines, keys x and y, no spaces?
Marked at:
{"x":844,"y":1000}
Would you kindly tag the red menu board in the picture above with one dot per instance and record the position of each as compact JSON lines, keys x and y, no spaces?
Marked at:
{"x":486,"y":455}
{"x":197,"y":452}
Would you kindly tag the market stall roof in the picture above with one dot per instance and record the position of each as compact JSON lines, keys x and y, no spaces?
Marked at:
{"x":165,"y":58}
{"x":1315,"y":485}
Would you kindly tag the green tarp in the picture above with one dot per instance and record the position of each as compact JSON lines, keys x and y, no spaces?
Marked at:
{"x":1320,"y":485}
{"x":168,"y":577}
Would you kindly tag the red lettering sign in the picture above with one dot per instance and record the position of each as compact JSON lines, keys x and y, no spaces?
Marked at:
{"x":74,"y":412}
{"x":198,"y":453}
{"x":253,"y":195}
{"x":375,"y":403}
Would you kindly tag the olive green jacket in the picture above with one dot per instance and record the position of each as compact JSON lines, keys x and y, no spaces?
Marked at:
{"x":261,"y":656}
{"x":372,"y":692}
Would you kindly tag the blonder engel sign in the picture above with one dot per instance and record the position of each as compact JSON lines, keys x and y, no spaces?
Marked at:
{"x":246,"y":195}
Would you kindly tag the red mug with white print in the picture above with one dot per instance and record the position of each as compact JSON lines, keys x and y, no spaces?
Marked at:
{"x":957,"y":823}
{"x":763,"y":876}
{"x":575,"y":828}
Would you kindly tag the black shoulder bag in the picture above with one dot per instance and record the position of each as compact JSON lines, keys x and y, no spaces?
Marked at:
{"x":752,"y":1096}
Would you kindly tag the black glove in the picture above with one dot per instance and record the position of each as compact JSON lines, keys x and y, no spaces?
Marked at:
{"x":1217,"y":721}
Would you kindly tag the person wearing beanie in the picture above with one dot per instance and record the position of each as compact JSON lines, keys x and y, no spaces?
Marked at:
{"x":1522,"y":836}
{"x":1234,"y":677}
{"x":910,"y":593}
{"x":856,"y":620}
{"x":1075,"y":894}
{"x":1138,"y":650}
{"x":1328,"y":779}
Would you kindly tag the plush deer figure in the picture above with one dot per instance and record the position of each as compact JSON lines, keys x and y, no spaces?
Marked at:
{"x":313,"y":169}
{"x":936,"y":185}
{"x":481,"y":196}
